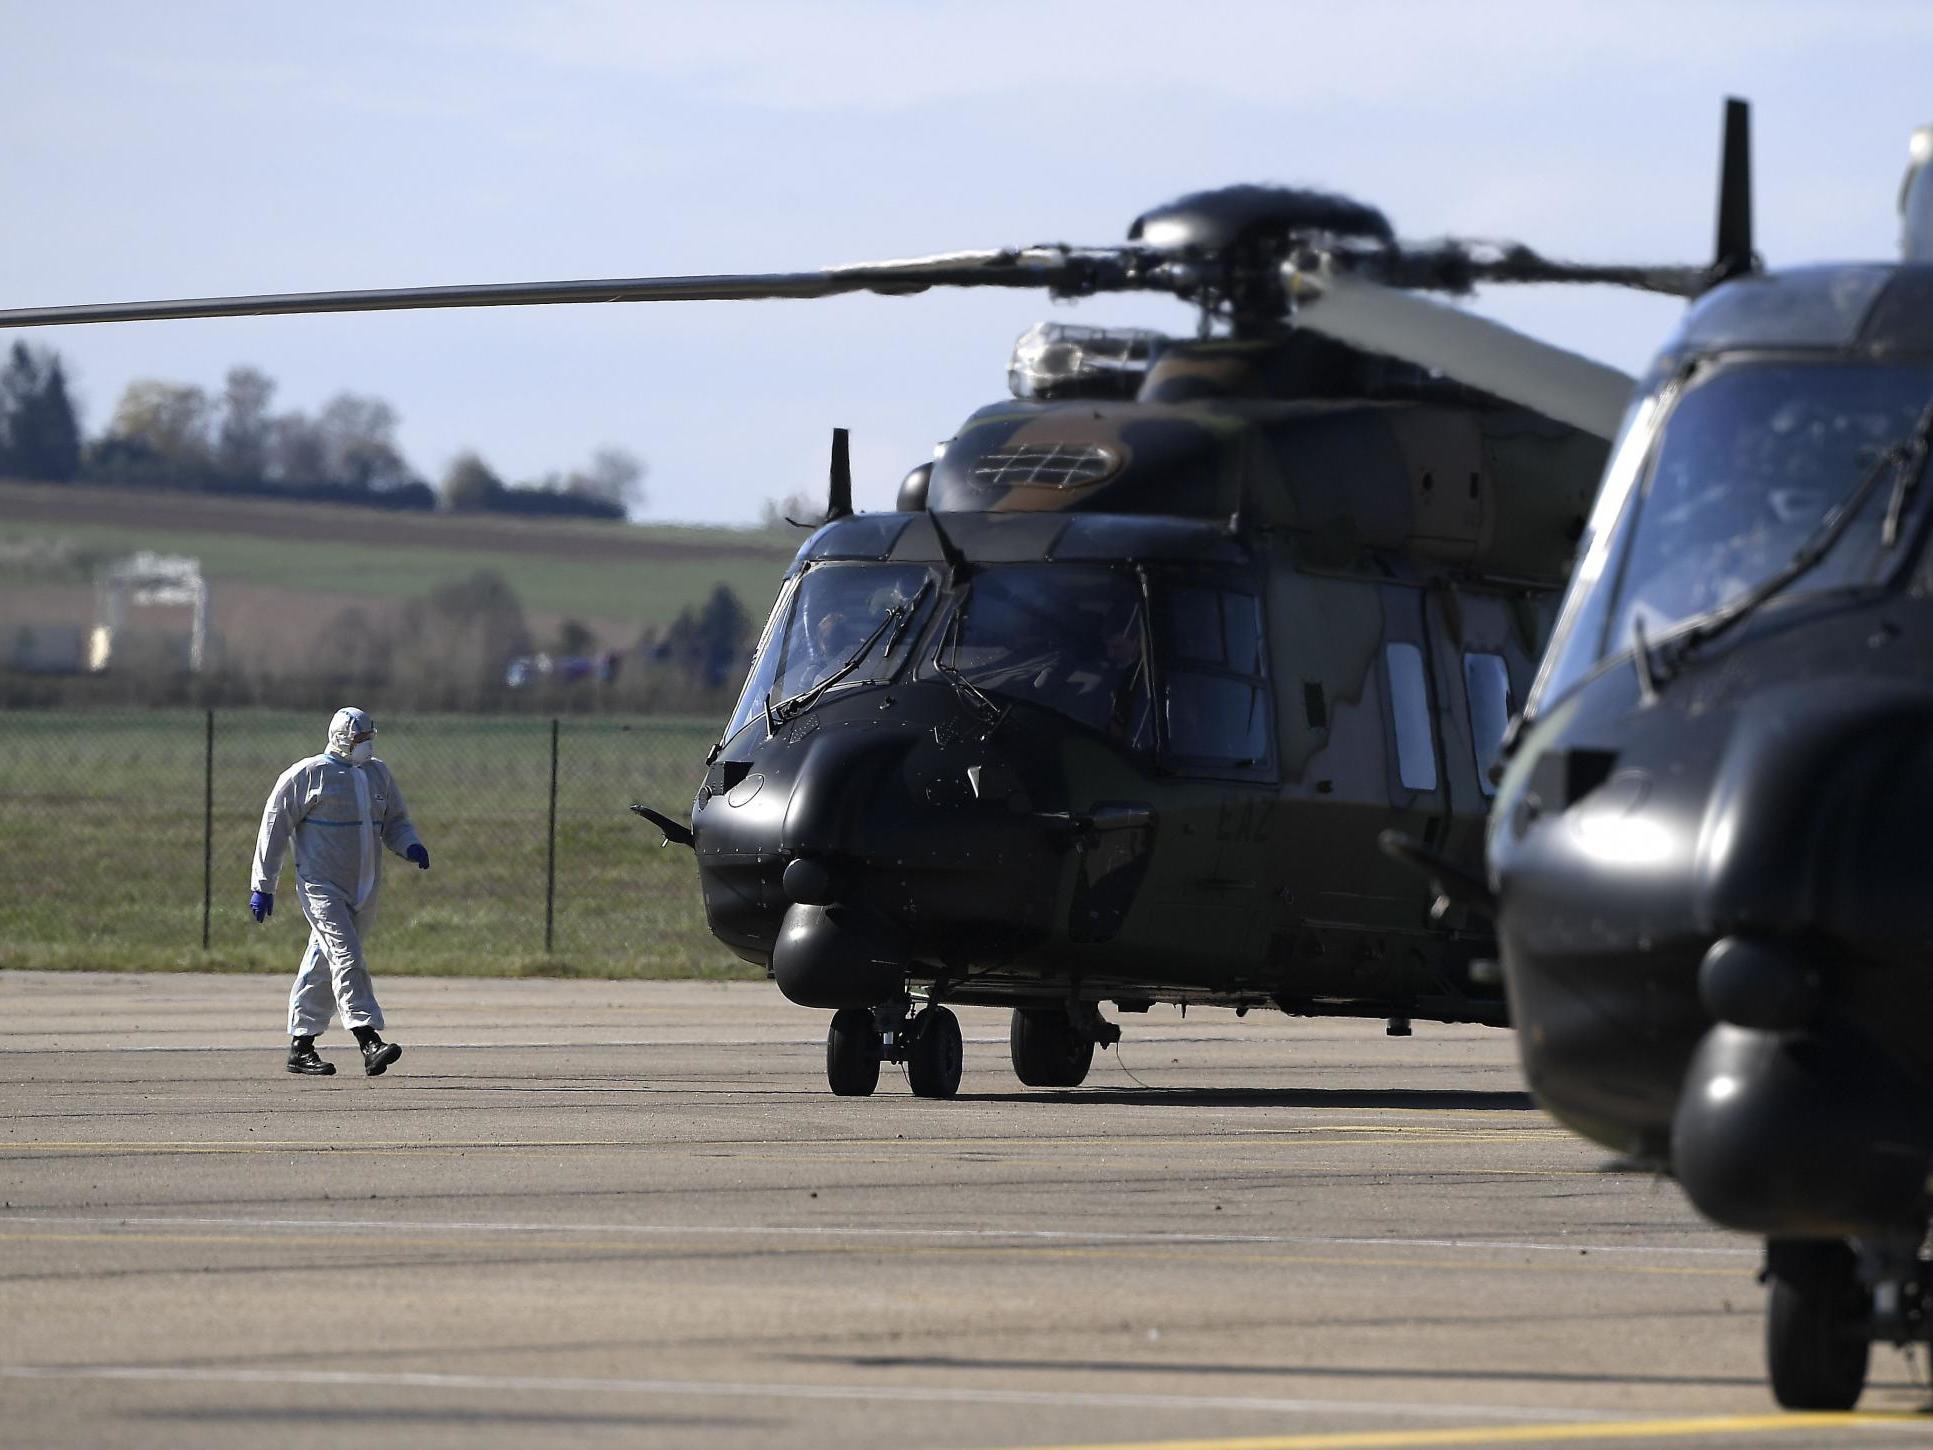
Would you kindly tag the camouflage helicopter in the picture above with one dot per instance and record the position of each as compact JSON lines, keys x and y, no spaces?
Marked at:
{"x":1705,"y":854}
{"x":1115,"y":704}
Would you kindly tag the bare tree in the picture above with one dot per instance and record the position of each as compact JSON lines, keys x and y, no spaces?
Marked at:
{"x":615,"y":475}
{"x":778,"y":513}
{"x":246,"y":431}
{"x":359,"y":442}
{"x":298,"y":452}
{"x":453,"y":644}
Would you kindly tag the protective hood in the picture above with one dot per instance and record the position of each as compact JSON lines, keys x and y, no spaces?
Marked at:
{"x":344,"y":727}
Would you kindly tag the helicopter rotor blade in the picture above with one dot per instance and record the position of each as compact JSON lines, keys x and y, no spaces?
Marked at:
{"x":1457,"y":265}
{"x":1061,"y":270}
{"x":1520,"y":264}
{"x":1473,"y":350}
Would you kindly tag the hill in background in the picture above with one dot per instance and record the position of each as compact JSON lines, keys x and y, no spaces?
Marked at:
{"x":281,"y":573}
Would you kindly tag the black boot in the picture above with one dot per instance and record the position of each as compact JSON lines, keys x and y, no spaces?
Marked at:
{"x":303,"y":1058}
{"x":377,"y":1055}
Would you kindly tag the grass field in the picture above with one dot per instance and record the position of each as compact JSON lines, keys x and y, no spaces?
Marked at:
{"x":101,"y":845}
{"x":625,"y":577}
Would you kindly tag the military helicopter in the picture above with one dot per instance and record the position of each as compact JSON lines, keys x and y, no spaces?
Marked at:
{"x":1704,"y":856}
{"x":1114,"y":705}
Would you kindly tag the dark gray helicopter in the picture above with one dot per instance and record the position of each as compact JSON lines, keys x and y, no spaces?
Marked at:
{"x":1706,"y":850}
{"x":1115,"y":705}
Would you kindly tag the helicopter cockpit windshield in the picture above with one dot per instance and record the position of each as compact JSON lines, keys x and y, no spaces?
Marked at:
{"x":838,"y":624}
{"x":1068,"y":638}
{"x":1749,"y":471}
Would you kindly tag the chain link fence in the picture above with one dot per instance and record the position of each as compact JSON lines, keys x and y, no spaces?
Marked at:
{"x":126,"y":839}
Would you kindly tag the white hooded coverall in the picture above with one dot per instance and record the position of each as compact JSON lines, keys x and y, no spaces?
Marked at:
{"x":337,"y":812}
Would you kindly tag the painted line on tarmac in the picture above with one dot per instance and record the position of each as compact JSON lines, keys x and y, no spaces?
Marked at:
{"x":1303,"y":1134}
{"x":1696,"y":1427}
{"x":662,"y":1230}
{"x":280,"y":1045}
{"x":417,"y":1044}
{"x":1199,"y":1254}
{"x":720,"y":1389}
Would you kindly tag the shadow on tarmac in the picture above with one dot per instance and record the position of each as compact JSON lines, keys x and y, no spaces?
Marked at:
{"x":1455,"y":1100}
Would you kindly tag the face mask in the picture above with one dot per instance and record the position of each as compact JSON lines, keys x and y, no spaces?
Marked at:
{"x":362,"y":752}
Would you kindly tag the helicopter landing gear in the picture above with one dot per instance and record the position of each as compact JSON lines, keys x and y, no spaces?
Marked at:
{"x":927,"y":1041}
{"x":1818,"y":1324}
{"x":932,"y":1052}
{"x":852,"y":1053}
{"x":1054,"y":1046}
{"x":1830,"y":1302}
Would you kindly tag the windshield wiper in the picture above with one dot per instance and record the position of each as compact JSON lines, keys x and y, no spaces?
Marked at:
{"x":1910,"y":463}
{"x":896,"y":619}
{"x":1907,"y":458}
{"x":971,"y":695}
{"x":906,"y":612}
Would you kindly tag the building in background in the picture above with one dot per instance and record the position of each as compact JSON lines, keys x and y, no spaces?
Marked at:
{"x":147,"y":580}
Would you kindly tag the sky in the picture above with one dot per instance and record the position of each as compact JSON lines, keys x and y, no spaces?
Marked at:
{"x":207,"y":148}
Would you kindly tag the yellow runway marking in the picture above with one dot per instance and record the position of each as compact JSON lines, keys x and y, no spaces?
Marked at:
{"x":1553,"y":1434}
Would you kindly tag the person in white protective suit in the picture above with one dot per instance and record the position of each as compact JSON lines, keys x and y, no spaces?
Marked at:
{"x":340,"y":808}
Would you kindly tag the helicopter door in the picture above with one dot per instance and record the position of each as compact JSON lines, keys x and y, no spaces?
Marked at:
{"x":1412,"y":689}
{"x":1217,"y":742}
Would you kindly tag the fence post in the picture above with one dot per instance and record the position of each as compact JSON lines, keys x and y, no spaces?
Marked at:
{"x":207,"y":829}
{"x":550,"y":854}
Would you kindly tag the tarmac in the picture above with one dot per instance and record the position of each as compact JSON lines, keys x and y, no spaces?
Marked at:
{"x":628,"y":1213}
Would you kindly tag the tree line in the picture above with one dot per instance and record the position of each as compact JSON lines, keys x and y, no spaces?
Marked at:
{"x":179,"y":436}
{"x":448,"y":649}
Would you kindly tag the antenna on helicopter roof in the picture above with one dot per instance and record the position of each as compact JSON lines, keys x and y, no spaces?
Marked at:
{"x":1733,"y":255}
{"x":839,"y":484}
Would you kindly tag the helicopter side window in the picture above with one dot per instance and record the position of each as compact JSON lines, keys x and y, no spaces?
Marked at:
{"x":1065,"y":637}
{"x":839,"y":624}
{"x":1215,"y":702}
{"x":765,"y":660}
{"x":1486,"y":689}
{"x":1409,"y":708}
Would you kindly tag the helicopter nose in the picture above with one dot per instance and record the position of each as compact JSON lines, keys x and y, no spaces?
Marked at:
{"x":889,"y":834}
{"x":841,"y":796}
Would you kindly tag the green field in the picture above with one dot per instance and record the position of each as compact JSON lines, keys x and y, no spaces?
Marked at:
{"x":637,"y":574}
{"x":102,"y":838}
{"x":650,"y":592}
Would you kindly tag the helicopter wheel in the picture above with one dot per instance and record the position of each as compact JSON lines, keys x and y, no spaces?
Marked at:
{"x":934,"y":1054}
{"x":1816,"y":1343}
{"x":1046,"y":1048}
{"x":852,"y":1053}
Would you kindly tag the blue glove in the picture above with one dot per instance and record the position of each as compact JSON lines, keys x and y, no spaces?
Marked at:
{"x":420,"y":855}
{"x":261,"y":904}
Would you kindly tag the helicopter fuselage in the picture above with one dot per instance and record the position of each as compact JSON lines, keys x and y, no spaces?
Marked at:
{"x":1708,"y":847}
{"x":1120,"y":714}
{"x":1005,"y":850}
